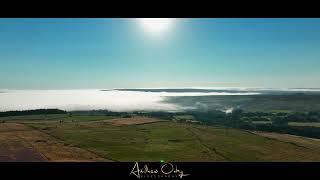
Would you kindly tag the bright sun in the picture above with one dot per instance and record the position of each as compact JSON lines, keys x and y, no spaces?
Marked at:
{"x":156,"y":26}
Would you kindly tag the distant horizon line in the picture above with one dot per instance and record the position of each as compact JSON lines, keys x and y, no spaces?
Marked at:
{"x":189,"y":87}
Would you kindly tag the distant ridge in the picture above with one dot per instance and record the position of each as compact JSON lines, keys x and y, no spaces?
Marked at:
{"x":181,"y":90}
{"x":220,"y":89}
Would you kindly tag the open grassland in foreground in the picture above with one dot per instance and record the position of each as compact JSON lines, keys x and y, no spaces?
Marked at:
{"x":22,"y":143}
{"x":170,"y":141}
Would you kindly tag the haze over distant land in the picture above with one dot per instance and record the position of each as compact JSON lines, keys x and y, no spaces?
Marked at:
{"x":131,"y":53}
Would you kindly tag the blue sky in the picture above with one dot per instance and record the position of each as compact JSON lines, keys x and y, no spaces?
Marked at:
{"x":118,"y":53}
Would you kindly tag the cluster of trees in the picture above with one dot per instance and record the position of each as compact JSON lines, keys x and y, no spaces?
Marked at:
{"x":303,"y":117}
{"x":100,"y":113}
{"x":32,"y":112}
{"x":243,"y":120}
{"x":282,"y":117}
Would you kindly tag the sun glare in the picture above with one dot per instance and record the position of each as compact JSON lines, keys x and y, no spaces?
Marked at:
{"x":156,"y":26}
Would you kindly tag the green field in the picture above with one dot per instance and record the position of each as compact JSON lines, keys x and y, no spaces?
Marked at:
{"x":305,"y":124}
{"x":55,"y":118}
{"x":172,"y":141}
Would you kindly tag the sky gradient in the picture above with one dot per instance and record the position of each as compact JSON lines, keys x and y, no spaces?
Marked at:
{"x":117,"y":53}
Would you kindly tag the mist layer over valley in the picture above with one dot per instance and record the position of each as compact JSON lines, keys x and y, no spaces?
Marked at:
{"x":169,"y":99}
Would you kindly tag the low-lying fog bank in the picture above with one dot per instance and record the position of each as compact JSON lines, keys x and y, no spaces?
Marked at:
{"x":174,"y":99}
{"x":113,"y":100}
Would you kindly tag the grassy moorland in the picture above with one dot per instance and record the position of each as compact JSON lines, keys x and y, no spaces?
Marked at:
{"x":173,"y":141}
{"x":154,"y":136}
{"x":23,"y":143}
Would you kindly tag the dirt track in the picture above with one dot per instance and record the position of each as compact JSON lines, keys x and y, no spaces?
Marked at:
{"x":19,"y":143}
